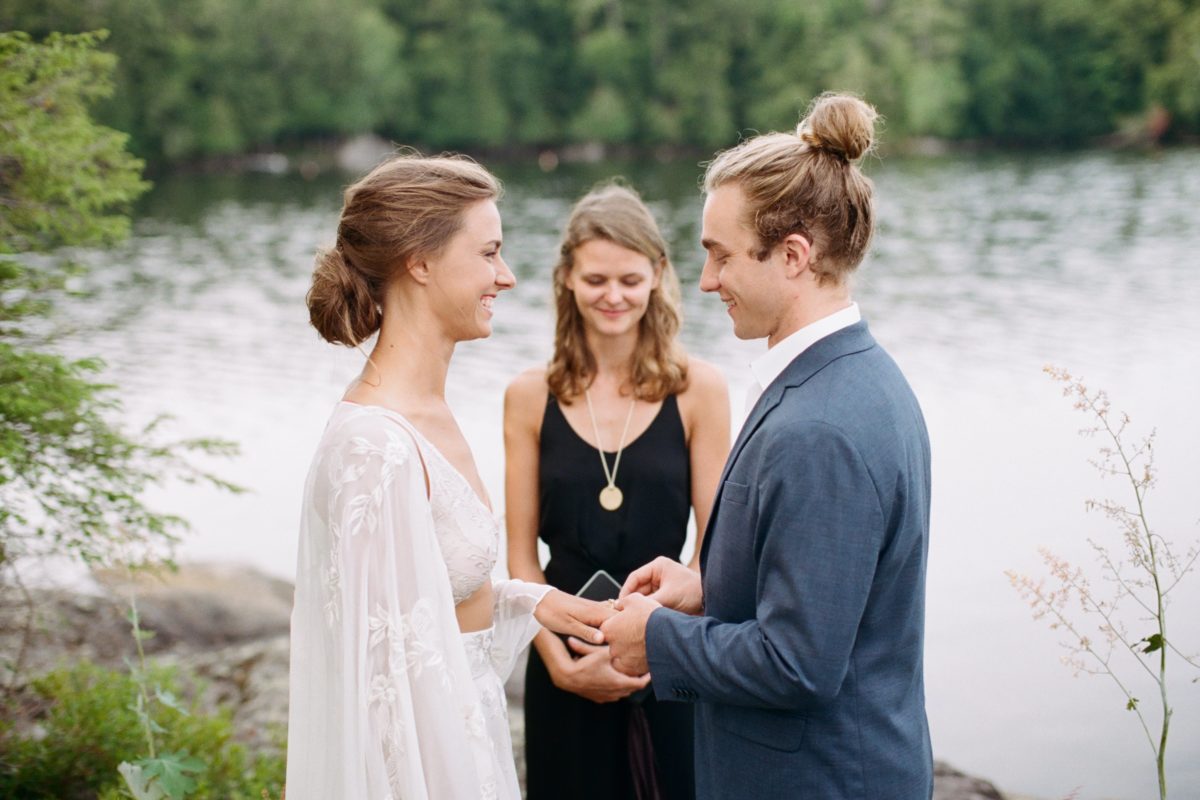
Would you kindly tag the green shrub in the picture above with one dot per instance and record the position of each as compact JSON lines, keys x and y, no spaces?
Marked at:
{"x":87,"y":726}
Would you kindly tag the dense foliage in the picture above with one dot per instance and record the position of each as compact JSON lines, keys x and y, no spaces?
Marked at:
{"x":204,"y":77}
{"x":86,"y":726}
{"x":71,"y":480}
{"x":64,"y":179}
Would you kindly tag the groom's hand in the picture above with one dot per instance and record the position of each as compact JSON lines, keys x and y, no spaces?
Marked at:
{"x":626,"y":633}
{"x":669,"y":583}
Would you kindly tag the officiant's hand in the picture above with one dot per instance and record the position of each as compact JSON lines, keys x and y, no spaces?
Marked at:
{"x":626,"y":633}
{"x":668,"y":582}
{"x":574,"y":616}
{"x":592,"y":675}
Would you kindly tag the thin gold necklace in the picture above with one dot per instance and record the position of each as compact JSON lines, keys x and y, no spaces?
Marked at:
{"x":610,"y":496}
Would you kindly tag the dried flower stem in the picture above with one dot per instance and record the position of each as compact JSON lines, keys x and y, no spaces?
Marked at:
{"x":1156,"y":572}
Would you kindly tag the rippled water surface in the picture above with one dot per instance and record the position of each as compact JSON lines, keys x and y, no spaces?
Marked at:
{"x":984,"y":269}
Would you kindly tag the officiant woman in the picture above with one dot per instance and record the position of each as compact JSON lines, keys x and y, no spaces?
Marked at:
{"x":609,"y":448}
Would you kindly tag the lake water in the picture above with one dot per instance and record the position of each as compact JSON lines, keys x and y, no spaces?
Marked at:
{"x":984,"y":269}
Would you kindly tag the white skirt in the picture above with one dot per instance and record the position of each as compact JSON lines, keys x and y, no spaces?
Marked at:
{"x":494,"y":703}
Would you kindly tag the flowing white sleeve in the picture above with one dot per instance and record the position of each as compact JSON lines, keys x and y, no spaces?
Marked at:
{"x":384,"y":706}
{"x":515,"y":626}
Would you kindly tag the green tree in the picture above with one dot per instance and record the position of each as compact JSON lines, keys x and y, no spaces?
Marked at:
{"x":71,"y":479}
{"x":64,"y":177}
{"x":457,"y":52}
{"x":690,"y":52}
{"x":780,"y":66}
{"x":1042,"y":72}
{"x":210,"y":77}
{"x":609,"y":115}
{"x":204,"y":77}
{"x":1173,"y":83}
{"x":542,"y":85}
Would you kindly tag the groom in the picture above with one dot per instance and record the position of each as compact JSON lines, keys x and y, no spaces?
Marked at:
{"x":802,"y":645}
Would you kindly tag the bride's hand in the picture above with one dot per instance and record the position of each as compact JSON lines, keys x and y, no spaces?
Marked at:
{"x":574,"y":616}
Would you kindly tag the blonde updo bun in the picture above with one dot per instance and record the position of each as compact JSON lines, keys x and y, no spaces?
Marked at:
{"x":408,"y":206}
{"x":342,"y":303}
{"x":839,"y":124}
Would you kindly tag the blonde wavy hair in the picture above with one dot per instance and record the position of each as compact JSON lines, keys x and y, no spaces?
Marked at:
{"x":616,"y":213}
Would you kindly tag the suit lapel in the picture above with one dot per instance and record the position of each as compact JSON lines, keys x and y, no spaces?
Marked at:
{"x":847,"y":341}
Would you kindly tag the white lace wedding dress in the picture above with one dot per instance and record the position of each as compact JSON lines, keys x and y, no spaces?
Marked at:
{"x":389,"y":701}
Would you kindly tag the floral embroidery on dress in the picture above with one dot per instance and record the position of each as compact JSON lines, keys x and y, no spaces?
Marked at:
{"x":362,"y":510}
{"x":408,"y":644}
{"x":411,"y":640}
{"x":393,"y":624}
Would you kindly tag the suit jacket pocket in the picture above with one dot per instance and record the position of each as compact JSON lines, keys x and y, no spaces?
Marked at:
{"x":776,"y":730}
{"x":735,"y":493}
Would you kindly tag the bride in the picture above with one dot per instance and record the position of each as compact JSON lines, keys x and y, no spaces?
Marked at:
{"x":400,"y":639}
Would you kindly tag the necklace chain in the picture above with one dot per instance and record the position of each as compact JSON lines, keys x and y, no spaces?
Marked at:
{"x":610,"y":476}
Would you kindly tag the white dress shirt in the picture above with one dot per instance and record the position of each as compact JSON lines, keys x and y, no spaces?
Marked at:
{"x":766,"y":368}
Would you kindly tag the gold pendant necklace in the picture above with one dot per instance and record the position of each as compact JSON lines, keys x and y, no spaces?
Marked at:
{"x":610,"y":496}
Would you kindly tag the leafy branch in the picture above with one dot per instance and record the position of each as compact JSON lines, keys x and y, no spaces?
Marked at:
{"x":72,"y":478}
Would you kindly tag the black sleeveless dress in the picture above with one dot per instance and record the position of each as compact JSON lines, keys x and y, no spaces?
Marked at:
{"x":576,"y":748}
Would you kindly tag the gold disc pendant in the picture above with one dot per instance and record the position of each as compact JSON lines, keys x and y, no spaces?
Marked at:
{"x":611,"y":498}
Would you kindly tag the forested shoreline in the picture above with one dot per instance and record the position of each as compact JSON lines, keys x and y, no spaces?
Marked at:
{"x":201,"y":79}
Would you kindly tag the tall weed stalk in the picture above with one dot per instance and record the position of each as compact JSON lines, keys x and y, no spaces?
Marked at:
{"x":157,"y":775}
{"x":1137,"y":579}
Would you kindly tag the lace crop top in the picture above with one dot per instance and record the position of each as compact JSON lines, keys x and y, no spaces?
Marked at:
{"x":466,"y":529}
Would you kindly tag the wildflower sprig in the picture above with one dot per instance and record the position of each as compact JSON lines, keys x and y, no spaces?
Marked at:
{"x":1138,"y":577}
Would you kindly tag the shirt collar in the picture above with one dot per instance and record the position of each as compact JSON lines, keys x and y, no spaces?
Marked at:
{"x":766,"y":368}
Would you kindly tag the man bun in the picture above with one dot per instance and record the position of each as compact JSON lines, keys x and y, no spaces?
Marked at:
{"x":839,"y":124}
{"x":806,"y":182}
{"x":341,"y":301}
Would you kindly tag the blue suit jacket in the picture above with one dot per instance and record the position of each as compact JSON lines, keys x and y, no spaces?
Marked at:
{"x":807,"y":665}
